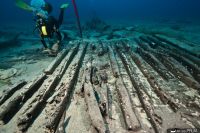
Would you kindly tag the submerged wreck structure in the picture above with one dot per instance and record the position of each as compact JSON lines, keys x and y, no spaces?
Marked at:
{"x":145,"y":85}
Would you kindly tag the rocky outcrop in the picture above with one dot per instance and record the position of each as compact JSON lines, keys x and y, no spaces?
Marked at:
{"x":9,"y":40}
{"x":96,"y":24}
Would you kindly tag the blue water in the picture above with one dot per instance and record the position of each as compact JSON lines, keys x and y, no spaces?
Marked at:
{"x":111,"y":9}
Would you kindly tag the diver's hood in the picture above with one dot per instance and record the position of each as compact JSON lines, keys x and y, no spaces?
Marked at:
{"x":47,"y":7}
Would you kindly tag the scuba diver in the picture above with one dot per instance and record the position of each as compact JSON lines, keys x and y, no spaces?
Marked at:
{"x":48,"y":26}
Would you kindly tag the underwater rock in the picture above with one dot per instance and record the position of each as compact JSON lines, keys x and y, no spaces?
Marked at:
{"x":110,"y":36}
{"x":176,"y":27}
{"x":130,"y":28}
{"x":96,"y":24}
{"x":94,"y":34}
{"x":119,"y":34}
{"x":9,"y":40}
{"x":5,"y":74}
{"x":6,"y":65}
{"x":69,"y":35}
{"x":104,"y":37}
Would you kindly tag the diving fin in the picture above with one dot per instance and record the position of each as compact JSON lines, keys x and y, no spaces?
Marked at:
{"x":64,"y":6}
{"x":21,"y":4}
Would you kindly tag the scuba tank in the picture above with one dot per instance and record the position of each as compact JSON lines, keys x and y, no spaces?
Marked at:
{"x":42,"y":18}
{"x":41,"y":25}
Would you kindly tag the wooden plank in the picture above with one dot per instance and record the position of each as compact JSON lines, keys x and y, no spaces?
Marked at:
{"x":53,"y":122}
{"x":10,"y":91}
{"x":56,"y":62}
{"x":28,"y":116}
{"x":138,"y":87}
{"x":131,"y":120}
{"x":7,"y":111}
{"x":92,"y":104}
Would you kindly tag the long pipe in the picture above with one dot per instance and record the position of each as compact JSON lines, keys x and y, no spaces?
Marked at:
{"x":77,"y":17}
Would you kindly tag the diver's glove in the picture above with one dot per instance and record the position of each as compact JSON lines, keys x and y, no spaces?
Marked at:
{"x":64,"y":6}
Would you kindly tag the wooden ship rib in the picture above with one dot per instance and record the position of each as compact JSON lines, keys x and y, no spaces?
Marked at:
{"x":108,"y":87}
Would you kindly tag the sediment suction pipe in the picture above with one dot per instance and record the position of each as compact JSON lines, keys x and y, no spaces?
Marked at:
{"x":77,"y":17}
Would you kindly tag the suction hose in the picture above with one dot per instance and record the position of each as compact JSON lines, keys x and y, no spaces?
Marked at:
{"x":77,"y":17}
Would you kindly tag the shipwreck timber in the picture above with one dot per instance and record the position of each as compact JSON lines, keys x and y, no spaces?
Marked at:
{"x":108,"y":86}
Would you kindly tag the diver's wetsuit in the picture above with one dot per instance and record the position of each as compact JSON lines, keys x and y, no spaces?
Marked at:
{"x":52,"y":26}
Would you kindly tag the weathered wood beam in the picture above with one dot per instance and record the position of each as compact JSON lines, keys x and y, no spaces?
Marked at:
{"x":145,"y":39}
{"x":175,"y":46}
{"x":26,"y":119}
{"x":103,"y":49}
{"x":28,"y":116}
{"x":180,"y":74}
{"x":166,"y":47}
{"x":61,"y":126}
{"x":155,"y":64}
{"x":131,"y":120}
{"x":171,"y":65}
{"x":7,"y":111}
{"x":113,"y":63}
{"x":185,"y":59}
{"x":109,"y":102}
{"x":10,"y":91}
{"x":53,"y":122}
{"x":138,"y":87}
{"x":56,"y":61}
{"x":93,"y":107}
{"x":193,"y":69}
{"x":165,"y":98}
